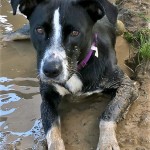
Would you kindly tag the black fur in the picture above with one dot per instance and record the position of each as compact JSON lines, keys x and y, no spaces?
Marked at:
{"x":100,"y":73}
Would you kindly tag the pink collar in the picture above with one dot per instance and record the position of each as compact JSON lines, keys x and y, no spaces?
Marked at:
{"x":84,"y":62}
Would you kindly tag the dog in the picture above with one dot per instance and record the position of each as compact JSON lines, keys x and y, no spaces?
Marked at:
{"x":75,"y":41}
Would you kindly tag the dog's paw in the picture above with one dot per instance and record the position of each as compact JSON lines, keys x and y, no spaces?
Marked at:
{"x":74,"y":84}
{"x":108,"y":146}
{"x":107,"y":138}
{"x":56,"y":145}
{"x":54,"y":140}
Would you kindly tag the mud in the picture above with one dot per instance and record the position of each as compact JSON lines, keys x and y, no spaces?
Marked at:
{"x":20,"y":100}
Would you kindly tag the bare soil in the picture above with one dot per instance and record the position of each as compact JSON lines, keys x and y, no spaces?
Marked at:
{"x":133,"y":133}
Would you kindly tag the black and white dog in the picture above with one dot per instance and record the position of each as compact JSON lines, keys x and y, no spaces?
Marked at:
{"x":75,"y":41}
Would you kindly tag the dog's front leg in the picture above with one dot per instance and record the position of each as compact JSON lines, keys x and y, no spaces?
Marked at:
{"x":125,"y":95}
{"x":50,"y":118}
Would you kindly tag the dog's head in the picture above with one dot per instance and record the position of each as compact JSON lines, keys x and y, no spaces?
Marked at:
{"x":61,"y":32}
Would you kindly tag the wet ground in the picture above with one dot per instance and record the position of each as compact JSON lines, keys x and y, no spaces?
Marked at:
{"x":20,"y":101}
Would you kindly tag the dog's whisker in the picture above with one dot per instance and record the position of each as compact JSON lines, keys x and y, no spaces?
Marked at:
{"x":69,"y":58}
{"x":113,"y":84}
{"x":74,"y":71}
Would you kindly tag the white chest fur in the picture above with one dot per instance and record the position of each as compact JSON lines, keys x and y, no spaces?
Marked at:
{"x":73,"y":85}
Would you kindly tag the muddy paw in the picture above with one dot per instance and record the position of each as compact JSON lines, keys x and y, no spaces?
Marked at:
{"x":54,"y":140}
{"x":108,"y":146}
{"x":107,"y":138}
{"x":56,"y":145}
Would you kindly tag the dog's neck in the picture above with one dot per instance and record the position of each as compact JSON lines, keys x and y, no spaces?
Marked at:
{"x":93,"y":49}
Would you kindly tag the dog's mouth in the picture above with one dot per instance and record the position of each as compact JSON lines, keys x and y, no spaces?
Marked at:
{"x":61,"y":79}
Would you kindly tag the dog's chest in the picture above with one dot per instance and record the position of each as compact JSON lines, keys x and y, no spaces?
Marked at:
{"x":75,"y":86}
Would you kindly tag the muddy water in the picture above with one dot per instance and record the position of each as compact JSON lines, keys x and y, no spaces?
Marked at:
{"x":20,"y":99}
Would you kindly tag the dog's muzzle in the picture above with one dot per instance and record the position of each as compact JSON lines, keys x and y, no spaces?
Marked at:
{"x":54,"y":67}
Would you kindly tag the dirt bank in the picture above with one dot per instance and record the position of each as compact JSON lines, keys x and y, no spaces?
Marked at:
{"x":134,"y":132}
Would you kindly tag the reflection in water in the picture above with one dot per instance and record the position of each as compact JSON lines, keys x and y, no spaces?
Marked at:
{"x":19,"y":89}
{"x":35,"y":130}
{"x":4,"y":24}
{"x":6,"y":88}
{"x":4,"y":79}
{"x":7,"y":98}
{"x":7,"y":112}
{"x":17,"y":95}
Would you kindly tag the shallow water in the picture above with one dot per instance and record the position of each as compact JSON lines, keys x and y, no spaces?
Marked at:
{"x":19,"y":96}
{"x":20,"y":100}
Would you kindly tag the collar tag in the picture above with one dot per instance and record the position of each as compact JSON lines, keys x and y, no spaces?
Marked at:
{"x":94,"y":48}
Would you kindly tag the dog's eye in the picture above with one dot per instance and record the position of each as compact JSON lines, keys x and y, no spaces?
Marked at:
{"x":75,"y":33}
{"x":40,"y":30}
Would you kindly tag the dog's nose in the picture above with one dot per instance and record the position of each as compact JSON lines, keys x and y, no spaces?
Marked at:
{"x":52,"y":69}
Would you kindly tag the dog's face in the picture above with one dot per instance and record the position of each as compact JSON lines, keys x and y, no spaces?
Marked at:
{"x":61,"y":32}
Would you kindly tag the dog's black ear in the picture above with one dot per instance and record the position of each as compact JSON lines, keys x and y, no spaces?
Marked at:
{"x":25,"y":6}
{"x":98,"y":8}
{"x":111,"y":11}
{"x":93,"y":7}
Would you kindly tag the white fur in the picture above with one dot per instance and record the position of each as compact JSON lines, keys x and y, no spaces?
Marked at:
{"x":49,"y":138}
{"x":61,"y":90}
{"x":95,"y":49}
{"x":107,"y":124}
{"x":55,"y":51}
{"x":62,"y":57}
{"x":74,"y":84}
{"x":57,"y":28}
{"x":93,"y":92}
{"x":53,"y":137}
{"x":107,"y":136}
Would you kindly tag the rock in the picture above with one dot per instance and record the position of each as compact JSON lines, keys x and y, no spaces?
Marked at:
{"x":120,"y":28}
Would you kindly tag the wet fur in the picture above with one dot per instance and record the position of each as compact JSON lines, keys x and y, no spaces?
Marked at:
{"x":100,"y":74}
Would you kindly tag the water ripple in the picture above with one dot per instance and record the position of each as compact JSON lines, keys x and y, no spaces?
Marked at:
{"x":4,"y":23}
{"x":7,"y":98}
